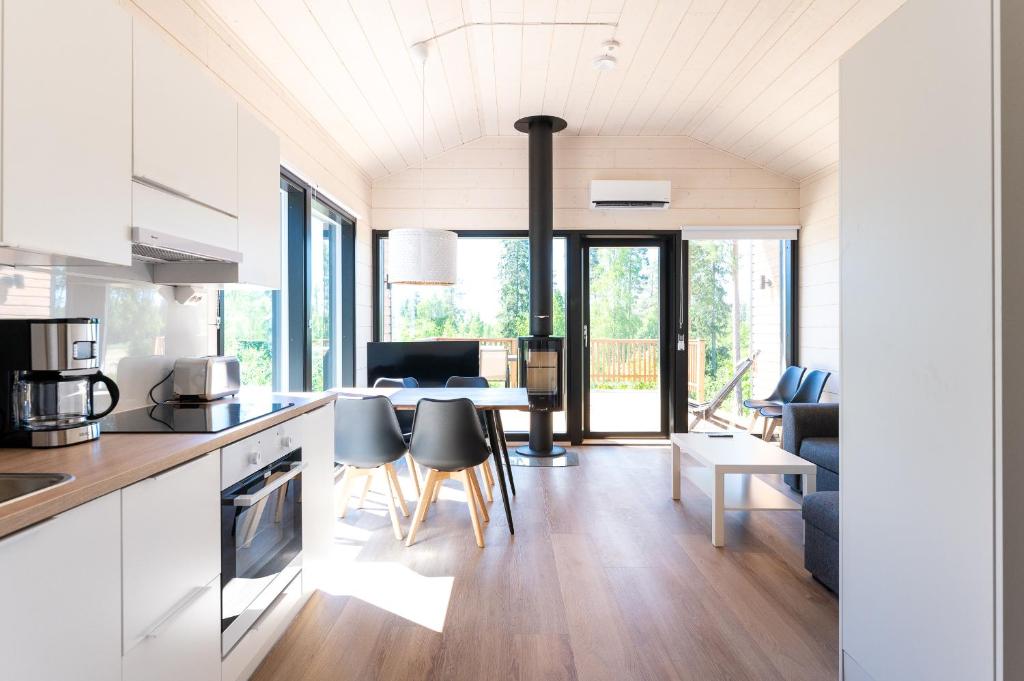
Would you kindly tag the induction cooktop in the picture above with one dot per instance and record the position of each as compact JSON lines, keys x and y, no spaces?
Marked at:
{"x":200,"y":417}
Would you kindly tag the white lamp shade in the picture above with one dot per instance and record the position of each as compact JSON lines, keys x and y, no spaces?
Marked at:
{"x":422,"y":256}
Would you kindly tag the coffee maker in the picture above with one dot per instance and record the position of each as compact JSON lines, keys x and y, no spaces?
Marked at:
{"x":49,"y":369}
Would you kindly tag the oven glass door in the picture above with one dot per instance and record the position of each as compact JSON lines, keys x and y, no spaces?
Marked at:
{"x":261,"y":534}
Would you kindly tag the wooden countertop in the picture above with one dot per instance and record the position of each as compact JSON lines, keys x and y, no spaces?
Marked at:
{"x":117,"y":460}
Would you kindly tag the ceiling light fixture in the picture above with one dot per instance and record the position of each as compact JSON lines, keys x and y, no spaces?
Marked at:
{"x":422,"y":256}
{"x":606,"y":61}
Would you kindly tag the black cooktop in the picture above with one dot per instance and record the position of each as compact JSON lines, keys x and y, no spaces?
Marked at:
{"x":205,"y":417}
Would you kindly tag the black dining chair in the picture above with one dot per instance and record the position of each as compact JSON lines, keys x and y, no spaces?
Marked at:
{"x":485,"y":467}
{"x":783,"y":393}
{"x":404,"y":422}
{"x":367,"y":439}
{"x":448,"y":440}
{"x":809,"y":392}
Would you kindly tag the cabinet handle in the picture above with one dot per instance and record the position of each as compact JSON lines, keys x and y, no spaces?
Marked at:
{"x":270,"y":608}
{"x":176,"y":611}
{"x":27,"y":532}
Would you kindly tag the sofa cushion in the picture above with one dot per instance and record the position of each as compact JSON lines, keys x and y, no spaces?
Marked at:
{"x":821,"y":509}
{"x":823,"y":451}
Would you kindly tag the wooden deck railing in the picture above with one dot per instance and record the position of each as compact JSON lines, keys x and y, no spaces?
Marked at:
{"x":612,"y":360}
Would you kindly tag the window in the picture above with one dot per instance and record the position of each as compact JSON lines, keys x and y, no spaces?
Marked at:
{"x":489,"y":302}
{"x":738,"y":293}
{"x":302,"y":337}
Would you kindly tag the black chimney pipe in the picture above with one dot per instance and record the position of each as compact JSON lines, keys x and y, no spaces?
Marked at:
{"x":540,"y":130}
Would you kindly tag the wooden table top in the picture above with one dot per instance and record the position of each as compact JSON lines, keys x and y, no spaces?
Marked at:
{"x":117,"y":460}
{"x":484,"y":399}
{"x":742,"y":453}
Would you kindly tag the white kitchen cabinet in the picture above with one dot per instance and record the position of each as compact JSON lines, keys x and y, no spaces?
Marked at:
{"x":185,"y":131}
{"x":317,"y":437}
{"x":67,"y":120}
{"x":259,"y":202}
{"x":60,"y":596}
{"x":186,"y":646}
{"x":171,"y":568}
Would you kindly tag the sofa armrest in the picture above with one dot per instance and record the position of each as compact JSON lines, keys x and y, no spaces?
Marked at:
{"x":800,"y":421}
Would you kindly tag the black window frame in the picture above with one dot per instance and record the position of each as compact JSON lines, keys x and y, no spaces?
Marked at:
{"x":297,"y":280}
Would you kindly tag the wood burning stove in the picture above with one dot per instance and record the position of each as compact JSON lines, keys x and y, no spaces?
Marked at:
{"x":542,"y":373}
{"x":541,"y":356}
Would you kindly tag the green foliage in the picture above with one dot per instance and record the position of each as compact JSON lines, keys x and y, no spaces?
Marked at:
{"x":248,"y":334}
{"x":623,"y":293}
{"x":713,"y":270}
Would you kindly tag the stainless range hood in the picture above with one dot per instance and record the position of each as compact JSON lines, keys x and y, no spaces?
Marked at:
{"x":157,"y":247}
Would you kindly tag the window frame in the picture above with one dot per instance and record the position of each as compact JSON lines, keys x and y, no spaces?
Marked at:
{"x":297,"y":235}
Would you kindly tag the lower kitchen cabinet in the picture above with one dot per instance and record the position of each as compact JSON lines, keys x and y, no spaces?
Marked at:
{"x":183,"y":645}
{"x":60,"y":596}
{"x":171,"y":565}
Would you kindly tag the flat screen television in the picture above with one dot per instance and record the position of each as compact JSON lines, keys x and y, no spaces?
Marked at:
{"x":431,"y":363}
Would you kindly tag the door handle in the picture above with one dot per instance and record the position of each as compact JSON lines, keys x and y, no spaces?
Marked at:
{"x":246,"y":500}
{"x":586,"y":336}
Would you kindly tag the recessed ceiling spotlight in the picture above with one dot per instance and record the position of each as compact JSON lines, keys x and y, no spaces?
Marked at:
{"x":606,"y":62}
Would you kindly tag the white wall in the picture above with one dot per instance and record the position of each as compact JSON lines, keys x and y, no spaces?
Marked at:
{"x":819,"y":277}
{"x":917,"y":424}
{"x":483,"y":185}
{"x":305,"y":147}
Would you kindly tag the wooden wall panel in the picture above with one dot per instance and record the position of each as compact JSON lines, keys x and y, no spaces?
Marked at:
{"x":483,"y":185}
{"x":819,"y":276}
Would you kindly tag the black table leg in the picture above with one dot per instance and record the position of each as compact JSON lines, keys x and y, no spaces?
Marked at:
{"x":504,"y":451}
{"x":492,"y":434}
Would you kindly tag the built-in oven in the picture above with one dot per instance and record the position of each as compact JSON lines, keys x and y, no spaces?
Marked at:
{"x":261,"y":529}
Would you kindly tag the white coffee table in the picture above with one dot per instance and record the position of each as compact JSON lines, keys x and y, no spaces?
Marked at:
{"x":726,"y":474}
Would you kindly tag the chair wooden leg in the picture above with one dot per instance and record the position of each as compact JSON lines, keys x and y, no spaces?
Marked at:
{"x":478,"y":531}
{"x":421,"y":507}
{"x":396,"y":488}
{"x":753,"y":422}
{"x":771,"y":430}
{"x":488,"y":480}
{"x":346,"y":484}
{"x":392,"y":511}
{"x":414,"y":473}
{"x":475,"y":484}
{"x":436,"y":493}
{"x":366,"y":488}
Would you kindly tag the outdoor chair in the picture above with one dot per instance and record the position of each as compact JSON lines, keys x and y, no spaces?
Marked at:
{"x":705,"y":411}
{"x":447,"y":439}
{"x":404,"y":421}
{"x":367,"y":439}
{"x":783,"y":393}
{"x":809,"y":392}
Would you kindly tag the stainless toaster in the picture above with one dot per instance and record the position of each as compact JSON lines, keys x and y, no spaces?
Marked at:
{"x":206,"y":378}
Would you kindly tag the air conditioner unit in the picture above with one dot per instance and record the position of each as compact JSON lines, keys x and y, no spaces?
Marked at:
{"x":630,"y":194}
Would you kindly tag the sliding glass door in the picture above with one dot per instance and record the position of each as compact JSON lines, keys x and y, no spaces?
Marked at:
{"x":624,"y":335}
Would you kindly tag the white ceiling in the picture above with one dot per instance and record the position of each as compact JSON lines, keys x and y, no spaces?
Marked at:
{"x":757,"y":78}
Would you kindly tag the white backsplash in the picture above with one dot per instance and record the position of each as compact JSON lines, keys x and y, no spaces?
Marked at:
{"x":142,"y":328}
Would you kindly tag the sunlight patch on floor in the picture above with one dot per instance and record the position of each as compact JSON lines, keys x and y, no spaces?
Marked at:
{"x":387,"y":585}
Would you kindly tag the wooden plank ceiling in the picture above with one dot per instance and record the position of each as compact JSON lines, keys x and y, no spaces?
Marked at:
{"x":756,"y":78}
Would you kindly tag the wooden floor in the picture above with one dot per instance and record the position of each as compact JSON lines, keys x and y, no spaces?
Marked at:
{"x":606,"y":578}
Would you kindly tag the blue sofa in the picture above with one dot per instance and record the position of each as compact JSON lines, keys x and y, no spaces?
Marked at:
{"x":811,"y":431}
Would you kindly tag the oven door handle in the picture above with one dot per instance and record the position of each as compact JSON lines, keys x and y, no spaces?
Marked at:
{"x":246,"y":500}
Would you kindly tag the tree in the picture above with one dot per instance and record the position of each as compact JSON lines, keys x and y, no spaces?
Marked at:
{"x":514,"y":273}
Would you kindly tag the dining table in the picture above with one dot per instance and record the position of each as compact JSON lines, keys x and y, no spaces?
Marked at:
{"x":490,"y":402}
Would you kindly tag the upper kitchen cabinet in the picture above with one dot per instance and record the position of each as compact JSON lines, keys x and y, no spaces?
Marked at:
{"x":185,"y":126}
{"x":66,"y":148}
{"x":259,"y":202}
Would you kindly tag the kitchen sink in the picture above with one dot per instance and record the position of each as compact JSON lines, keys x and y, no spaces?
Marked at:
{"x":16,"y":485}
